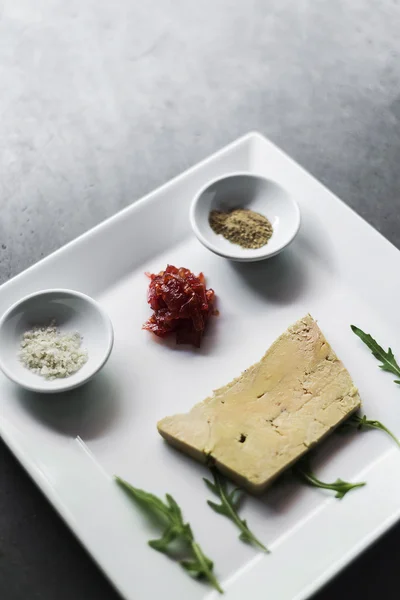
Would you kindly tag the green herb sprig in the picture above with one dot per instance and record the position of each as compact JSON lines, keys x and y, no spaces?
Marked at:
{"x":362,"y":422}
{"x":387,"y":359}
{"x":197,"y":564}
{"x":230,"y":503}
{"x":303,"y":470}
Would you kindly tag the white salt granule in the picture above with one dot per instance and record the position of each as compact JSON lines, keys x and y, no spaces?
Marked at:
{"x":47,"y":352}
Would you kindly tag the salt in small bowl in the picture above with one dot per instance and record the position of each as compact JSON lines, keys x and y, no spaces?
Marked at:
{"x":71,"y":312}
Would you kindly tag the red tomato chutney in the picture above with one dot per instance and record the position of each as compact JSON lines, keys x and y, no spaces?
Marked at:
{"x":181,"y":303}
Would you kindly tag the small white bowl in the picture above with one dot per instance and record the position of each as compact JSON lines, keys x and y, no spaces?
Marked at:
{"x":254,"y":192}
{"x":71,"y":311}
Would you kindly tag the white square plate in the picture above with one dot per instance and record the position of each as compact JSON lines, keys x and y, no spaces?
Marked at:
{"x":339,"y":269}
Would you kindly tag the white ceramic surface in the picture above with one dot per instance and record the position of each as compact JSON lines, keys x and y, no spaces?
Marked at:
{"x":72,"y":312}
{"x":254,"y":192}
{"x":73,"y":445}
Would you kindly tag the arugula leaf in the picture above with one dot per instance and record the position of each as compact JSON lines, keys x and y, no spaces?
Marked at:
{"x":387,"y":358}
{"x":201,"y":566}
{"x":230,"y":503}
{"x":197,"y":564}
{"x":303,"y":470}
{"x":153,"y":503}
{"x":361,"y":423}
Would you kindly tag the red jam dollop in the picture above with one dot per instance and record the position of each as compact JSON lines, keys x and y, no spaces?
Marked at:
{"x":181,"y":303}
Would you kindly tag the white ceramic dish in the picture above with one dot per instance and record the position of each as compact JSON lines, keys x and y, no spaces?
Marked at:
{"x":72,"y":448}
{"x":71,"y":311}
{"x":254,"y":192}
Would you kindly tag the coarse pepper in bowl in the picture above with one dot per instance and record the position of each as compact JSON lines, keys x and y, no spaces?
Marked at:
{"x":233,"y":217}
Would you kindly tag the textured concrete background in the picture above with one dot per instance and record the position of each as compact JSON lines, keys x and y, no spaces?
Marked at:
{"x":102,"y":100}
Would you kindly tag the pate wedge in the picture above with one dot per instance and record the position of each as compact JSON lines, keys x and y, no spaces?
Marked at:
{"x":260,"y":423}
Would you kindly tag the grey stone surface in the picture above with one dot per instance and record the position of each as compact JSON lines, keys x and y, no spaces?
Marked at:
{"x":101,"y":101}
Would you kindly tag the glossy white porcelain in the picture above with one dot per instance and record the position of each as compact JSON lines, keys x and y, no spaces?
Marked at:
{"x":71,"y":312}
{"x":339,"y":269}
{"x":253,"y":192}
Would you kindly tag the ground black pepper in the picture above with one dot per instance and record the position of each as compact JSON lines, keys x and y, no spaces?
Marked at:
{"x":241,"y":226}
